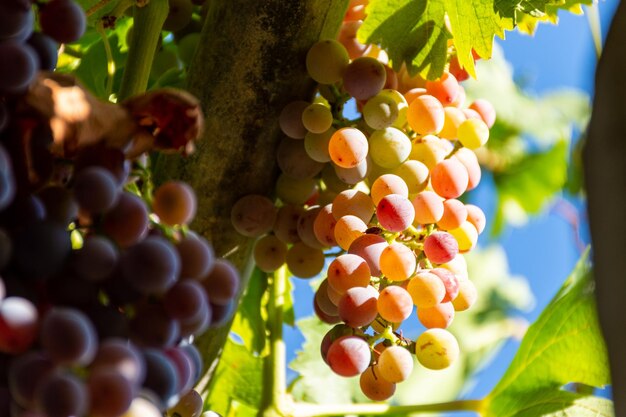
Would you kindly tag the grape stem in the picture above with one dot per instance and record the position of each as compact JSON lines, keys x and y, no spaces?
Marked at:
{"x":148,"y":22}
{"x":319,"y":410}
{"x":109,"y":56}
{"x":457,"y":145}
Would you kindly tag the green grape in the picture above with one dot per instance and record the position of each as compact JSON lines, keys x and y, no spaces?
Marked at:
{"x":380,"y":112}
{"x":331,"y":179}
{"x":395,"y":364}
{"x":164,"y":60}
{"x":294,"y":191}
{"x":270,"y":253}
{"x":436,"y":349}
{"x":389,"y":147}
{"x":466,"y":235}
{"x":401,"y":104}
{"x":317,"y":118}
{"x":375,"y":387}
{"x":316,"y":145}
{"x":326,"y":61}
{"x":415,"y":174}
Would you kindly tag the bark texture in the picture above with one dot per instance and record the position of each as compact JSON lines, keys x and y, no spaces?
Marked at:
{"x":249,"y":65}
{"x":605,"y":177}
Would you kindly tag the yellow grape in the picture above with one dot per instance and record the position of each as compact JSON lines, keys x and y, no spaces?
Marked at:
{"x":316,"y":145}
{"x":270,"y":253}
{"x":473,"y":133}
{"x":430,"y":150}
{"x":304,"y":261}
{"x":397,"y":262}
{"x":317,"y":118}
{"x":454,"y":213}
{"x":453,"y":119}
{"x":388,"y":184}
{"x":348,"y":147}
{"x":401,"y":105}
{"x":440,"y":315}
{"x":470,"y":161}
{"x":395,"y":364}
{"x":375,"y":387}
{"x":294,"y":191}
{"x":436,"y":349}
{"x":476,"y":217}
{"x":326,"y":61}
{"x":395,"y":304}
{"x":380,"y":112}
{"x":425,"y":115}
{"x":347,"y":271}
{"x":415,"y":174}
{"x":389,"y":147}
{"x":426,"y":290}
{"x":466,"y":236}
{"x":428,"y":207}
{"x":449,"y":178}
{"x":467,"y":296}
{"x":324,"y":226}
{"x":347,"y":229}
{"x":353,"y":202}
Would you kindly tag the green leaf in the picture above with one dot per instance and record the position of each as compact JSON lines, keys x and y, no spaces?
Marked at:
{"x":564,"y":345}
{"x":239,"y":377}
{"x":412,"y":32}
{"x":249,"y":323}
{"x":98,"y":8}
{"x":93,"y":70}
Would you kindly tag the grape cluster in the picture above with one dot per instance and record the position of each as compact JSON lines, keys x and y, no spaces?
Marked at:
{"x":385,"y":189}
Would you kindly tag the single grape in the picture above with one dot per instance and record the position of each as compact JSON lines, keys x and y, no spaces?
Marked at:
{"x":426,"y":115}
{"x":426,"y":290}
{"x":353,"y":202}
{"x":397,"y":262}
{"x":414,"y":174}
{"x":152,"y":266}
{"x":184,"y":368}
{"x":96,"y":190}
{"x":121,"y":356}
{"x":347,"y":229}
{"x":290,"y":119}
{"x":395,"y":212}
{"x":16,"y":23}
{"x":466,"y":235}
{"x":19,"y":323}
{"x":394,"y":304}
{"x":467,"y":296}
{"x":323,"y":301}
{"x":187,"y":47}
{"x":127,"y":222}
{"x":304,"y":261}
{"x":454,"y":213}
{"x":62,"y":20}
{"x":286,"y":223}
{"x":223,"y":282}
{"x":440,"y":315}
{"x":189,"y":405}
{"x":450,"y":282}
{"x":436,"y":349}
{"x":306,"y":227}
{"x":316,"y":145}
{"x":452,"y":120}
{"x":380,"y":111}
{"x":476,"y":217}
{"x":449,"y":178}
{"x":473,"y":133}
{"x":349,"y":356}
{"x":68,"y":336}
{"x":470,"y":161}
{"x":440,"y":247}
{"x":445,"y":89}
{"x":413,"y":93}
{"x":355,"y":174}
{"x":110,"y":393}
{"x":175,"y":203}
{"x":317,"y":118}
{"x":486,"y":111}
{"x":96,"y":260}
{"x":161,"y":375}
{"x":395,"y":364}
{"x":270,"y":253}
{"x":364,"y":78}
{"x":185,"y":300}
{"x":357,"y":307}
{"x":325,"y":318}
{"x":388,"y":184}
{"x":294,"y":160}
{"x":20,"y":65}
{"x":369,"y":247}
{"x":374,"y":386}
{"x":389,"y":147}
{"x":293,"y":190}
{"x":348,"y":147}
{"x":348,"y":271}
{"x":197,"y":256}
{"x":324,"y":226}
{"x":253,"y":215}
{"x":326,"y":61}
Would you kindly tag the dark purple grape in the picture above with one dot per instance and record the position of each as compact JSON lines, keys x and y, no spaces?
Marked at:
{"x":19,"y":323}
{"x":59,"y":203}
{"x":127,"y":222}
{"x":96,"y":260}
{"x":25,"y":373}
{"x":19,"y":66}
{"x":110,"y":393}
{"x":161,"y":376}
{"x":152,"y":327}
{"x":184,"y":368}
{"x":15,"y":23}
{"x":96,"y":190}
{"x":192,"y":352}
{"x":111,"y":159}
{"x":46,"y":49}
{"x":196,"y":256}
{"x":61,"y":394}
{"x":68,"y":336}
{"x":222,"y":284}
{"x":185,"y":300}
{"x":221,"y":313}
{"x":151,"y":266}
{"x":41,"y":248}
{"x":123,"y":357}
{"x":62,"y":20}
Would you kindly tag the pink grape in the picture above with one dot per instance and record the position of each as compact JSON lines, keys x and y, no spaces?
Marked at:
{"x":349,"y":356}
{"x":348,"y":147}
{"x":369,"y":247}
{"x":485,"y":110}
{"x":470,"y":161}
{"x":364,"y":78}
{"x":450,"y":281}
{"x":253,"y":215}
{"x":440,"y":247}
{"x":395,"y":212}
{"x":357,"y":307}
{"x":428,"y":207}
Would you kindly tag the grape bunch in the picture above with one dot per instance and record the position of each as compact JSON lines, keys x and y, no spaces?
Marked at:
{"x":385,"y":189}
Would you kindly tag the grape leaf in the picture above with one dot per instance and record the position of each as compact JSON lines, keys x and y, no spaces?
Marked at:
{"x":249,"y":323}
{"x":97,"y":9}
{"x":564,"y":345}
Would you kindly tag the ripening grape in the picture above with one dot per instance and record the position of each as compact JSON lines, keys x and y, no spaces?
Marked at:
{"x":355,"y":174}
{"x":395,"y":304}
{"x":471,"y":114}
{"x":473,"y":133}
{"x":290,"y":119}
{"x":369,"y":247}
{"x":62,"y":394}
{"x":415,"y":175}
{"x":323,"y":301}
{"x":184,"y":368}
{"x":253,"y":215}
{"x":401,"y":105}
{"x":460,"y":98}
{"x":453,"y":119}
{"x":324,"y":226}
{"x":326,"y":318}
{"x":294,"y":160}
{"x":286,"y":223}
{"x":374,"y":386}
{"x":466,"y":235}
{"x":96,"y":190}
{"x":364,"y":78}
{"x":486,"y":111}
{"x":445,"y":89}
{"x":358,"y":307}
{"x":348,"y":147}
{"x":348,"y":271}
{"x":426,"y":290}
{"x":110,"y":393}
{"x":317,"y":118}
{"x":331,"y":180}
{"x":127,"y":222}
{"x":304,"y":261}
{"x":428,"y":207}
{"x":353,"y":202}
{"x":470,"y":161}
{"x":450,"y":282}
{"x":270,"y":253}
{"x":395,"y":212}
{"x":151,"y":266}
{"x":18,"y":324}
{"x":454,"y":213}
{"x":326,"y":61}
{"x":294,"y":191}
{"x":349,"y":356}
{"x":222,"y":283}
{"x":459,"y":72}
{"x":380,"y":111}
{"x":175,"y":203}
{"x":347,"y":229}
{"x":388,"y":184}
{"x":316,"y":145}
{"x":397,"y":262}
{"x":440,"y":247}
{"x":467,"y":296}
{"x":429,"y":150}
{"x":389,"y":147}
{"x":306,"y":227}
{"x":414,"y":93}
{"x":426,"y":115}
{"x":436,"y":349}
{"x":476,"y":217}
{"x":68,"y":336}
{"x":197,"y":256}
{"x":449,"y":178}
{"x":395,"y":364}
{"x":440,"y":315}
